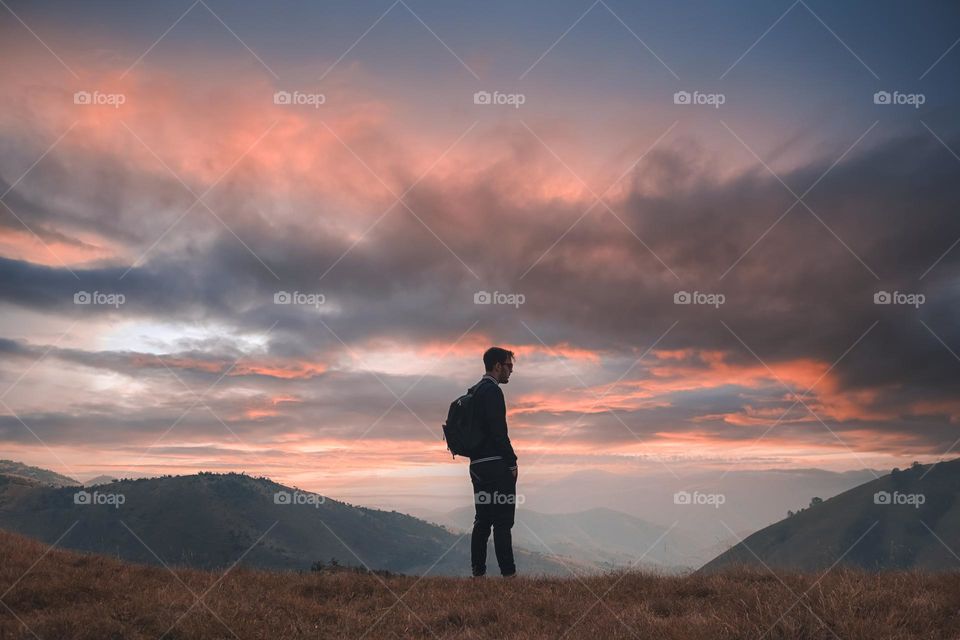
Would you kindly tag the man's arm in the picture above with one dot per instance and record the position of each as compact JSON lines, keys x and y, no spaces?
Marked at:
{"x":497,"y":417}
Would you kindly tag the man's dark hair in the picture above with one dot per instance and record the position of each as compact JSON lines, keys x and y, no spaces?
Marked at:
{"x":494,"y":356}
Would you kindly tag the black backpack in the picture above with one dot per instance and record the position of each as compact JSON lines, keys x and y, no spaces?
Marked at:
{"x":460,"y":432}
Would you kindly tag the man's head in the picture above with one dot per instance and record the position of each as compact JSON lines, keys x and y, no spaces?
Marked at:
{"x":498,"y":363}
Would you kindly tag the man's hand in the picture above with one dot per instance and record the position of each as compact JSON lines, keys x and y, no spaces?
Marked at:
{"x":515,"y":474}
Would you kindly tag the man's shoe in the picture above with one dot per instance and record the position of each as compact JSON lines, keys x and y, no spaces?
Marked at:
{"x":510,"y":575}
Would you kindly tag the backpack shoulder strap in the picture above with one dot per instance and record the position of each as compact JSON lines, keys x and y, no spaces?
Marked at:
{"x":477,"y":386}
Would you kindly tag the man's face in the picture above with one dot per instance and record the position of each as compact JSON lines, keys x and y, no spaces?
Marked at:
{"x":502,"y":371}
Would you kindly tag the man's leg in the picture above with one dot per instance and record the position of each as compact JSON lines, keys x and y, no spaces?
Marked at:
{"x":482,"y":520}
{"x":478,"y":546}
{"x":504,"y":510}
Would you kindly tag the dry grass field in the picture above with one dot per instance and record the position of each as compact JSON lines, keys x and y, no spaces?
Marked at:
{"x":59,"y":595}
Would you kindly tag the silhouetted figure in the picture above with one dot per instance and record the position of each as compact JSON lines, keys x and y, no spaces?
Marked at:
{"x":493,"y":467}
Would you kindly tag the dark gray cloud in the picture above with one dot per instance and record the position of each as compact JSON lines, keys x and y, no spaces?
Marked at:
{"x":800,"y":293}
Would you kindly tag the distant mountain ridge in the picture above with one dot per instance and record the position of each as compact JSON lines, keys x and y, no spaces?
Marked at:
{"x":210,"y":520}
{"x":98,"y":480}
{"x":755,"y":498}
{"x":908,"y":519}
{"x":36,"y":474}
{"x":599,"y":536}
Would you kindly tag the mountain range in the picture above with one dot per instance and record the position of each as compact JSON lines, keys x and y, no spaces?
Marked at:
{"x":601,"y":536}
{"x":903,"y":520}
{"x":210,"y":520}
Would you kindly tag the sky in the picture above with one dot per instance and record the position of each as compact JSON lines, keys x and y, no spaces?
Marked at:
{"x":276,"y":237}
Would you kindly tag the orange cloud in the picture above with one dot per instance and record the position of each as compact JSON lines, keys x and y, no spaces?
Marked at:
{"x":201,"y":127}
{"x":268,"y":407}
{"x":285,"y":370}
{"x":21,"y":244}
{"x":474,"y":344}
{"x":282,"y":369}
{"x":949,"y":408}
{"x":694,"y":370}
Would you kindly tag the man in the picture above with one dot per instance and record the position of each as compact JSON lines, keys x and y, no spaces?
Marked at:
{"x":493,"y":467}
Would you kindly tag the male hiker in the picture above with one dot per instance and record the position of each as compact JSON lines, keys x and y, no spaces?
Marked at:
{"x":493,"y":467}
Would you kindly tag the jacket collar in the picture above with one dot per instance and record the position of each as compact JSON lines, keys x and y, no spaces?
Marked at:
{"x":487,"y":376}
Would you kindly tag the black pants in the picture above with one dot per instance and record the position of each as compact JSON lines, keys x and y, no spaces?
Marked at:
{"x":495,"y":499}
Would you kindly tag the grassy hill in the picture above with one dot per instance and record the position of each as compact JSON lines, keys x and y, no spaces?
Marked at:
{"x":36,"y":474}
{"x":208,"y":520}
{"x":58,"y":594}
{"x":908,"y":519}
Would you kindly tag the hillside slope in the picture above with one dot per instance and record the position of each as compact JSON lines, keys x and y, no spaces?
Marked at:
{"x":210,"y":520}
{"x":905,"y":520}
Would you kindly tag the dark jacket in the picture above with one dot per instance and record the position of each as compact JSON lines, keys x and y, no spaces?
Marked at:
{"x":491,"y":413}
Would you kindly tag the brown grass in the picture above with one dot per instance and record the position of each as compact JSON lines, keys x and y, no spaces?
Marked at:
{"x":73,"y":596}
